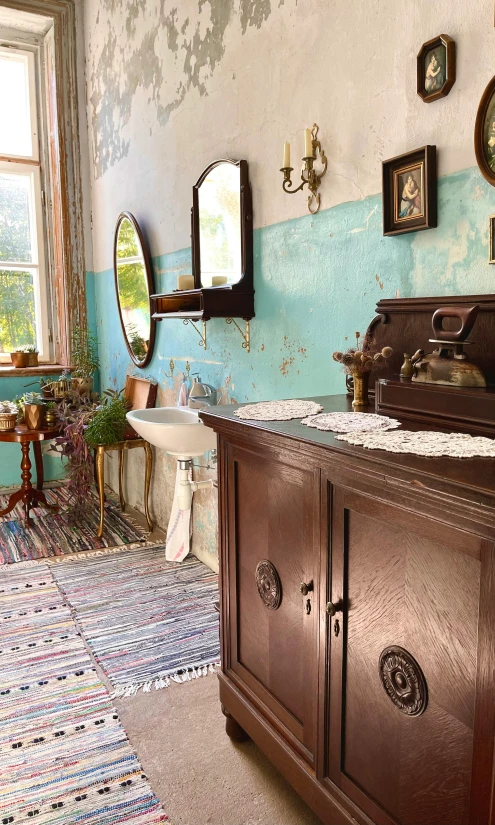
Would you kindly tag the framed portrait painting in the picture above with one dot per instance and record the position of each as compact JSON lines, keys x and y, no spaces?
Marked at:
{"x":436,"y":68}
{"x":484,"y":133}
{"x":409,"y":191}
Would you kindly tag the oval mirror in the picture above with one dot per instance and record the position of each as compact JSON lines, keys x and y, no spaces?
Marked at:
{"x":221,"y":204}
{"x":134,"y":285}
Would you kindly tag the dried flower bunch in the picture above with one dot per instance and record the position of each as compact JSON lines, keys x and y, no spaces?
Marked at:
{"x":363,"y":357}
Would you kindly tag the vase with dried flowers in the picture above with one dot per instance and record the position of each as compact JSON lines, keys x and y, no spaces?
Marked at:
{"x":358,"y":362}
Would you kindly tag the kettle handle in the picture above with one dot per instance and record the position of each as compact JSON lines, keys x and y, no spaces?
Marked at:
{"x":466,"y":315}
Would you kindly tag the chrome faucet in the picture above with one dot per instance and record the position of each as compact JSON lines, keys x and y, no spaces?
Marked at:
{"x":202,"y":395}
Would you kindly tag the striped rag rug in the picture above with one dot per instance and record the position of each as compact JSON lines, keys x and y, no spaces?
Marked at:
{"x":53,"y":534}
{"x":64,"y":756}
{"x":146,"y":620}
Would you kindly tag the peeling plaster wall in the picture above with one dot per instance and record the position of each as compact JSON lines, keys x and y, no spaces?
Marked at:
{"x":172,"y":86}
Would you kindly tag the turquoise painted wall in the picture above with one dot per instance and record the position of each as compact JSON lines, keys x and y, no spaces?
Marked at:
{"x":317,"y":280}
{"x":10,"y":454}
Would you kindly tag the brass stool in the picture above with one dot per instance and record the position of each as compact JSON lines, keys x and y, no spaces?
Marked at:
{"x":122,"y":446}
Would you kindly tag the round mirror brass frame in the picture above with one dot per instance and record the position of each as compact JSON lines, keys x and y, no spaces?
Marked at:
{"x":245,"y":282}
{"x":149,"y":277}
{"x":479,"y":133}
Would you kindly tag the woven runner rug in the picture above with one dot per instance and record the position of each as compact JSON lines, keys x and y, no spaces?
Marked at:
{"x":145,"y":620}
{"x":52,"y":535}
{"x":64,"y":756}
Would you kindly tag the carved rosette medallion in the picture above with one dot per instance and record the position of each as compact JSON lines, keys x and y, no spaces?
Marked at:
{"x":403,"y":680}
{"x":268,"y":584}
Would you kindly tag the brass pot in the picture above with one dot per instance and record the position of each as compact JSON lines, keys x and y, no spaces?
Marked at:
{"x":7,"y":422}
{"x":51,"y":418}
{"x":60,"y":388}
{"x":361,"y":382}
{"x":19,"y":359}
{"x":32,"y":359}
{"x":83,"y":386}
{"x":34,"y":416}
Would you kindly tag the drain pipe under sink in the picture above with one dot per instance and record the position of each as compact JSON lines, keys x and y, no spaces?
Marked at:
{"x":188,"y":487}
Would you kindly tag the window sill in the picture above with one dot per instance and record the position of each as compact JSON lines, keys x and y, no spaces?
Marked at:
{"x":7,"y":370}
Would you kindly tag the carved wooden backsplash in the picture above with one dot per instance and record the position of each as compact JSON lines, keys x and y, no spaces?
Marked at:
{"x":405,"y":325}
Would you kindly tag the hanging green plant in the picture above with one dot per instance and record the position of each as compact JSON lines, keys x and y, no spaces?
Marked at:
{"x":109,"y":422}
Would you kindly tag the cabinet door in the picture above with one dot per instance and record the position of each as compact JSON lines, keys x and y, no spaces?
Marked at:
{"x":273,"y":517}
{"x":411,"y":670}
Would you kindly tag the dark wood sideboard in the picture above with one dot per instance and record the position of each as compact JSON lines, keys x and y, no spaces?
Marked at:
{"x":358,"y":620}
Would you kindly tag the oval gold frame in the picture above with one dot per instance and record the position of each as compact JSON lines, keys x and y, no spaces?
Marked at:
{"x":149,"y":277}
{"x":479,"y":133}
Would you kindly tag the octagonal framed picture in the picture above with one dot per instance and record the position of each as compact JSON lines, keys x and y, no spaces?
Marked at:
{"x":436,"y":68}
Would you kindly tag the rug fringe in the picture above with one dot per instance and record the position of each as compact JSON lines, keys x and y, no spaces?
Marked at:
{"x":161,"y":682}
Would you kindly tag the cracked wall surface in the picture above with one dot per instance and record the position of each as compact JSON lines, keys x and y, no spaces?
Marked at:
{"x":173,"y":86}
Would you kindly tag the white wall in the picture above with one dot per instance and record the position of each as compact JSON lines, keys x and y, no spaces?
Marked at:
{"x":172,"y":86}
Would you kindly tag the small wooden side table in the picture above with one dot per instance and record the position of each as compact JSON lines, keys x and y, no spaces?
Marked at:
{"x":29,"y":495}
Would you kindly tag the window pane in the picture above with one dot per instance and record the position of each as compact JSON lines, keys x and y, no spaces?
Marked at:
{"x":15,"y":223}
{"x":15,"y":121}
{"x":17,"y":310}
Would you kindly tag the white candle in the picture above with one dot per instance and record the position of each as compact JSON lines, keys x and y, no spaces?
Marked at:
{"x":308,"y":144}
{"x":185,"y":282}
{"x":218,"y":280}
{"x":286,"y":162}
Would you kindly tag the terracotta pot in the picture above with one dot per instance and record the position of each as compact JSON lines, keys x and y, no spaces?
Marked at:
{"x":7,"y":422}
{"x":32,"y":359}
{"x":83,"y":386}
{"x":361,"y":381}
{"x":34,"y":416}
{"x":19,"y":359}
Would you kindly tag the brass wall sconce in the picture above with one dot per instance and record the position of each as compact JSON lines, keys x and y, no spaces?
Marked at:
{"x":309,"y":177}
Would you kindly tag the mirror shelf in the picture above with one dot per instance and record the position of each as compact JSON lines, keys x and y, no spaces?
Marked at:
{"x":222,"y":248}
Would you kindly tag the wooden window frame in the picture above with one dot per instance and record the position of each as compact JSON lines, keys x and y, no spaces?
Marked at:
{"x":62,"y":178}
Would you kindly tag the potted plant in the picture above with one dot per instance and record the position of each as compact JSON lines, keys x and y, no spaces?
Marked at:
{"x":51,"y":415}
{"x":19,"y":358}
{"x":34,"y":410}
{"x":32,"y":352}
{"x":8,"y":416}
{"x":85,"y":360}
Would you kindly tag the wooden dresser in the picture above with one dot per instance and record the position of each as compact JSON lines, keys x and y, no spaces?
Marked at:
{"x":358,"y":620}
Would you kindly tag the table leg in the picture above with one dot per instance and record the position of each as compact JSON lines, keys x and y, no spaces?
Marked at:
{"x":147,"y":483}
{"x":100,"y":474}
{"x":26,"y":485}
{"x":121,"y":479}
{"x":38,"y":458}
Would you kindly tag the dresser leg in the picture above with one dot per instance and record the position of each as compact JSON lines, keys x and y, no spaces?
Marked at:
{"x":233,"y":728}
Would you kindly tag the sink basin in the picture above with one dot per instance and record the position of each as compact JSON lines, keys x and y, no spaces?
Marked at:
{"x":179,"y":432}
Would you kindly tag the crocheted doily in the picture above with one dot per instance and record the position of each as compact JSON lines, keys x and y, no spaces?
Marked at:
{"x":350,"y":422}
{"x":278,"y":410}
{"x":425,"y":443}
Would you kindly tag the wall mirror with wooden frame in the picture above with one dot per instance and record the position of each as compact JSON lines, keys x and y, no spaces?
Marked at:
{"x":222,"y":249}
{"x":134,"y":286}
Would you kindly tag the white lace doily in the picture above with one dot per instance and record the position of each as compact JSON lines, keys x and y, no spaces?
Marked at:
{"x":278,"y":410}
{"x":350,"y":422}
{"x":425,"y":443}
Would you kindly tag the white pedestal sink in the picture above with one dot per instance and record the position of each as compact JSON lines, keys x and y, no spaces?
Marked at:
{"x":177,"y":431}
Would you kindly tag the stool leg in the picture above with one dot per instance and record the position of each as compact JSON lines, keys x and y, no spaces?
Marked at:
{"x":100,"y":474}
{"x":121,"y":479}
{"x":147,"y":483}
